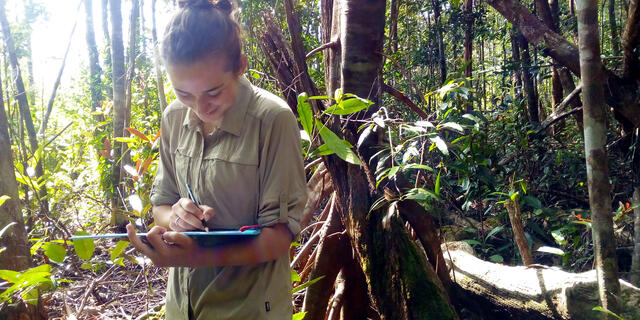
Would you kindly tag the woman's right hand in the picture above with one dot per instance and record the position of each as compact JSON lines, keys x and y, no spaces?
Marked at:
{"x":186,"y":216}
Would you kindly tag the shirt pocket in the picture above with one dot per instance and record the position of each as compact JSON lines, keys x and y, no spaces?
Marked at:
{"x":229,"y":173}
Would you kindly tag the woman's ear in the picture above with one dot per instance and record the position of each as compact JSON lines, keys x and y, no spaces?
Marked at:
{"x":243,"y":65}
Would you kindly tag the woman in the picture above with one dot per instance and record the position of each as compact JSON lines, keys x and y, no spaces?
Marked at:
{"x":238,"y":147}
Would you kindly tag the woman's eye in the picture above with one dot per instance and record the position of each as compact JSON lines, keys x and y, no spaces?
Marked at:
{"x":213,"y":95}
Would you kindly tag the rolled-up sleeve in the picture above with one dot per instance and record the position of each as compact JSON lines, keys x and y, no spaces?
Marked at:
{"x":164,"y":189}
{"x":283,"y":187}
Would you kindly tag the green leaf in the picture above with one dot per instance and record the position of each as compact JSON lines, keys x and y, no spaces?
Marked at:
{"x":3,"y":199}
{"x":320,"y":98}
{"x":496,"y":258}
{"x":338,"y":95}
{"x":494,"y":231}
{"x":126,"y":139}
{"x":421,"y":194}
{"x":295,"y":277}
{"x":551,"y":250}
{"x":299,"y":316}
{"x":437,"y":186}
{"x":322,"y":150}
{"x":365,"y":133}
{"x":558,"y":237}
{"x":440,"y":144}
{"x":305,"y":113}
{"x":418,"y":166}
{"x":9,"y":275}
{"x":341,"y":147}
{"x":472,"y":242}
{"x":306,"y":284}
{"x":119,"y":249}
{"x":601,"y":309}
{"x":55,"y":252}
{"x":84,"y":248}
{"x":6,"y":228}
{"x":453,"y":126}
{"x":349,"y":106}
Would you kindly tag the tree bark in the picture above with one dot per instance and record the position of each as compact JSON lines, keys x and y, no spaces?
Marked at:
{"x":513,"y":208}
{"x":613,"y":29}
{"x":439,"y":32}
{"x":23,"y":102}
{"x":496,"y":291}
{"x":156,"y":54}
{"x":119,"y":107}
{"x":631,"y":43}
{"x":595,"y":133}
{"x":467,"y":56}
{"x":16,"y":255}
{"x":94,"y":65}
{"x":131,"y":71}
{"x":14,"y":248}
{"x":527,"y":80}
{"x":333,"y":246}
{"x":398,"y":277}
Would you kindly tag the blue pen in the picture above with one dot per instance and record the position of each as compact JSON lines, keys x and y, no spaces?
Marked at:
{"x":204,"y":223}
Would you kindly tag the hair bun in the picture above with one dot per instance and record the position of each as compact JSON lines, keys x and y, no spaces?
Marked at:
{"x":224,"y":5}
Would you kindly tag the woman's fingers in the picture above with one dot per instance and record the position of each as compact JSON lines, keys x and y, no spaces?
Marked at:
{"x":207,"y":212}
{"x":186,"y":216}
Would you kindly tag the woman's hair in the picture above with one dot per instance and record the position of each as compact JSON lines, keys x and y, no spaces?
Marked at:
{"x":202,"y":28}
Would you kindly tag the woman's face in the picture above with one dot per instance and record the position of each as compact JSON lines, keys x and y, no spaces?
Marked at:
{"x":205,"y":86}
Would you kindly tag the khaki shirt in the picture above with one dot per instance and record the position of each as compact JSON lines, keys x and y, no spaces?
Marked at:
{"x":250,"y":171}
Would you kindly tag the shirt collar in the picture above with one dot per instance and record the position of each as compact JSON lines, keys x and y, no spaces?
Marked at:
{"x":233,"y":121}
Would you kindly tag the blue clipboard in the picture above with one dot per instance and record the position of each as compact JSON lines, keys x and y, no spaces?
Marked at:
{"x":204,"y":238}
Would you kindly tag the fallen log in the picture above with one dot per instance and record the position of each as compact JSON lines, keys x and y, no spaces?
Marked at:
{"x":494,"y":290}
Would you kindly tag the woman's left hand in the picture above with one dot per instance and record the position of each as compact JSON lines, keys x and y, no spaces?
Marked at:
{"x":165,"y":248}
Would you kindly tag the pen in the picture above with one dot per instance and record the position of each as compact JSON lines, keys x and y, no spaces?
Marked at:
{"x":204,"y":223}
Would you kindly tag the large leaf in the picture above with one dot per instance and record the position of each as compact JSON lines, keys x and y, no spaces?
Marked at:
{"x":119,"y":249}
{"x":440,"y":144}
{"x":3,"y":199}
{"x":305,"y":114}
{"x":341,"y":147}
{"x":6,"y":228}
{"x":84,"y":248}
{"x":453,"y":126}
{"x":55,"y":252}
{"x":299,"y":316}
{"x":306,"y":284}
{"x":349,"y":106}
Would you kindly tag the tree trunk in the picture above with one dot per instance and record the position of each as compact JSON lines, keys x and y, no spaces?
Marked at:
{"x":635,"y":261}
{"x":497,"y":291}
{"x":119,"y":107}
{"x":631,"y":43}
{"x":613,"y":29}
{"x":399,"y":279}
{"x":16,"y":255}
{"x":439,"y":32}
{"x":23,"y":103}
{"x":94,"y":65}
{"x":156,"y":54}
{"x":14,"y":248}
{"x":333,"y":246}
{"x":131,"y":71}
{"x":393,"y":29}
{"x":595,"y":136}
{"x":513,"y":208}
{"x":517,"y":71}
{"x":467,"y":13}
{"x":527,"y":80}
{"x":107,"y":42}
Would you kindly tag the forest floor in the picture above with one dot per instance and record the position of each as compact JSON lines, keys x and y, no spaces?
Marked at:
{"x":133,"y":290}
